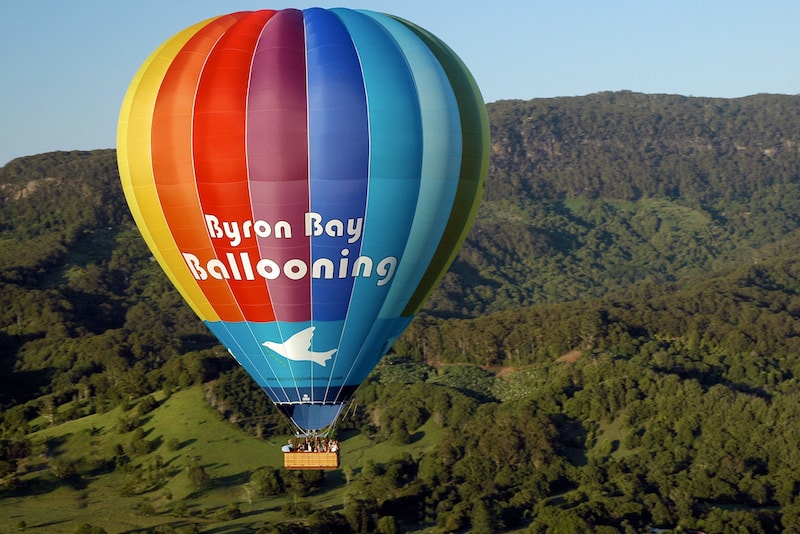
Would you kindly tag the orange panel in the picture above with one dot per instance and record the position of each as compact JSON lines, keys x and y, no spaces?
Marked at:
{"x":172,"y":158}
{"x":219,"y":149}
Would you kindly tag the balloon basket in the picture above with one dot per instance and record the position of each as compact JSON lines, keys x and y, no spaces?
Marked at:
{"x":311,"y":452}
{"x":296,"y":460}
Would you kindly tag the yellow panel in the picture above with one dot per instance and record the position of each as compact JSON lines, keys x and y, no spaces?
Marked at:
{"x":135,"y":168}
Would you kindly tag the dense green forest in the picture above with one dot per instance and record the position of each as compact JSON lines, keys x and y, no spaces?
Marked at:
{"x":615,"y":349}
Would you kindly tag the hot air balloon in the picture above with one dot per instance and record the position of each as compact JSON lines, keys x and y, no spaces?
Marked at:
{"x":304,"y":178}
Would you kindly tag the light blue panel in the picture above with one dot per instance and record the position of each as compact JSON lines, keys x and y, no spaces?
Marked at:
{"x":239,"y":343}
{"x":441,"y":162}
{"x":293,"y":362}
{"x":395,"y":163}
{"x":385,"y":332}
{"x":439,"y":175}
{"x":474,"y":163}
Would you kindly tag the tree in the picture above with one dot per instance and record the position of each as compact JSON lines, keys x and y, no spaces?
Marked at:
{"x":64,"y":468}
{"x":198,"y":476}
{"x":361,"y":514}
{"x":266,"y":481}
{"x":386,"y":525}
{"x":481,"y":519}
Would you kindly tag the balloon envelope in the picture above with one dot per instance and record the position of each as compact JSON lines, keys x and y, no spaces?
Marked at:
{"x":304,"y":178}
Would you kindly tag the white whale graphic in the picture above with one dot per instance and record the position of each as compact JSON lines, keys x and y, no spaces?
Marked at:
{"x":298,"y":348}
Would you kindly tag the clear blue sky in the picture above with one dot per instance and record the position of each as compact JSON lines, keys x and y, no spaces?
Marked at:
{"x":66,"y":64}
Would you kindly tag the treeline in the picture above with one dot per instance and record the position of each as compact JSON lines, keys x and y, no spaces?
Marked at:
{"x":49,"y":205}
{"x":665,"y":407}
{"x":629,"y":146}
{"x":588,"y":195}
{"x":752,"y":311}
{"x":670,"y":408}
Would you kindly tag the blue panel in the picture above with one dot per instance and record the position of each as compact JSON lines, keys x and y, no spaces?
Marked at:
{"x":382,"y":336}
{"x":394,"y":173}
{"x":441,"y":162}
{"x":312,"y":416}
{"x":239,"y":345}
{"x":439,"y":175}
{"x":338,"y":152}
{"x":292,"y":362}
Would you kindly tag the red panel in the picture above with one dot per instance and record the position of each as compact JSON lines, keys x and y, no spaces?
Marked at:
{"x":220,"y":154}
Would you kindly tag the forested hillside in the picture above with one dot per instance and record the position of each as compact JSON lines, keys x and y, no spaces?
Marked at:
{"x":616,"y":348}
{"x":592,"y":194}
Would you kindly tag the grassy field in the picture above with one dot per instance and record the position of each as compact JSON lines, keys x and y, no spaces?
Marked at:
{"x":156,"y":489}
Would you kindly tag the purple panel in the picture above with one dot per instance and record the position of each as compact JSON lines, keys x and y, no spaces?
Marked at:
{"x":277,"y":154}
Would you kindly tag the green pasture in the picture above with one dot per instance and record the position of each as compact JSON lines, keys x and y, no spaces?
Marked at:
{"x":154,"y":488}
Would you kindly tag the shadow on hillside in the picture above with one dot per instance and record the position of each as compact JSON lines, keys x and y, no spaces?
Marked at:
{"x":156,"y":442}
{"x":54,"y":443}
{"x":712,"y":375}
{"x":48,"y":483}
{"x":20,"y":387}
{"x":144,"y":421}
{"x":333,"y":479}
{"x":187,"y":442}
{"x":237,"y":479}
{"x":45,"y":525}
{"x":573,"y":437}
{"x":223,"y":529}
